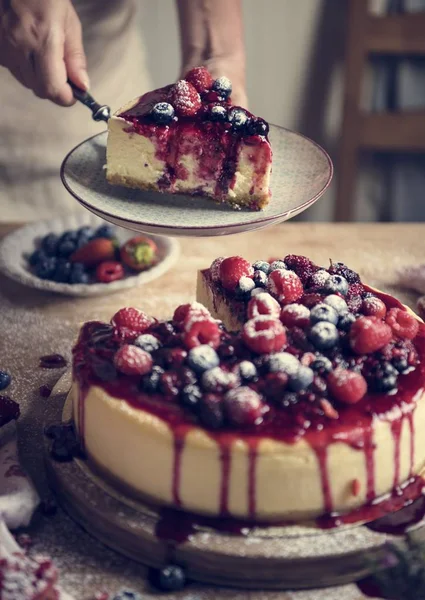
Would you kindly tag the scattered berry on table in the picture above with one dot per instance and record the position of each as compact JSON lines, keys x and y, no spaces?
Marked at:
{"x":109,"y":270}
{"x":49,"y":244}
{"x":369,"y":334}
{"x":147,"y":342}
{"x":202,"y":358}
{"x":285,"y":285}
{"x":162,"y":113}
{"x":232,"y":269}
{"x":223,"y":87}
{"x":131,"y":360}
{"x":347,"y":386}
{"x":262,"y":265}
{"x":336,"y":284}
{"x":263,"y":304}
{"x":403,"y":324}
{"x":323,"y":312}
{"x":243,"y":407}
{"x":184,"y":98}
{"x":5,"y":380}
{"x":200,"y":78}
{"x":323,"y":335}
{"x":264,"y":335}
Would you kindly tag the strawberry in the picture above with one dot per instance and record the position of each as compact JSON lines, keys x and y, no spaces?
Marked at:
{"x":403,"y":324}
{"x":285,"y":285}
{"x":264,"y":335}
{"x":347,"y":386}
{"x":184,"y":98}
{"x":139,"y":253}
{"x":374,"y":307}
{"x":200,"y":78}
{"x":131,"y":322}
{"x":94,"y":252}
{"x":109,"y":270}
{"x":263,"y":304}
{"x":232,"y":269}
{"x":369,"y":334}
{"x":199,"y":329}
{"x":131,"y":360}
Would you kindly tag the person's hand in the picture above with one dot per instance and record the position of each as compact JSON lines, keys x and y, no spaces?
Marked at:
{"x":41,"y":45}
{"x":233,"y":69}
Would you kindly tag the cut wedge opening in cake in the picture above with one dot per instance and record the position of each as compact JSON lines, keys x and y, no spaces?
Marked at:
{"x":188,"y":138}
{"x":312,"y":406}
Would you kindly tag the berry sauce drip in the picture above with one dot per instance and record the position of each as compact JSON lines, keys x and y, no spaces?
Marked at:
{"x":189,"y":372}
{"x":209,"y":129}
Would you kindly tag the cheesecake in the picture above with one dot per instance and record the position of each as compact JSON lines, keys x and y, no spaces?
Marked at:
{"x":313,"y":406}
{"x":188,"y":138}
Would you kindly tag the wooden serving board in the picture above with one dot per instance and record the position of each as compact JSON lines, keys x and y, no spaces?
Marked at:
{"x":291,"y":557}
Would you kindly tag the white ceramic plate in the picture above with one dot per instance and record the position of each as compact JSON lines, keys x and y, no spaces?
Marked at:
{"x":21,"y":242}
{"x":301,"y":173}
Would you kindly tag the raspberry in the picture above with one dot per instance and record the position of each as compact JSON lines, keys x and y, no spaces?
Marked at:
{"x":232,"y":269}
{"x":244,"y":407}
{"x":311,"y":300}
{"x":347,"y":386}
{"x":403,"y":324}
{"x":263,"y":304}
{"x":131,"y":360}
{"x":185,"y":99}
{"x":215,"y":268}
{"x":286,"y":286}
{"x":131,"y":322}
{"x":295,"y":315}
{"x":199,"y":329}
{"x":264,"y":335}
{"x":108,"y":271}
{"x":275,"y":385}
{"x":374,"y":307}
{"x":200,"y":78}
{"x":182,"y":311}
{"x":369,"y":334}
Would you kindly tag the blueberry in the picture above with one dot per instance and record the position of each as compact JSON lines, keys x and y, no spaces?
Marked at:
{"x":244,"y":287}
{"x":162,"y":113}
{"x":337,"y":303}
{"x":127,"y":595}
{"x":323,"y":312}
{"x":302,"y":379}
{"x":278,"y":264}
{"x":336,"y":283}
{"x":258,"y":127}
{"x":247,"y":371}
{"x":147,"y":342}
{"x":223,"y":87}
{"x":5,"y":379}
{"x":68,"y":236}
{"x":345,"y":321}
{"x":201,"y":358}
{"x":105,"y":231}
{"x":324,"y":335}
{"x":238,"y":119}
{"x":217,"y":113}
{"x":49,"y":244}
{"x":260,"y":279}
{"x":150,"y":382}
{"x":191,"y":395}
{"x":319,"y":278}
{"x":171,"y":578}
{"x":86,"y":231}
{"x":36,"y":257}
{"x":262,"y":265}
{"x":46,"y":267}
{"x":283,"y":361}
{"x":66,"y":248}
{"x":63,"y":271}
{"x":78,"y":274}
{"x":321,"y":365}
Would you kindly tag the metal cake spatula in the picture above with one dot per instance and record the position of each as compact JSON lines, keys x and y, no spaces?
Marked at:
{"x":99,"y":112}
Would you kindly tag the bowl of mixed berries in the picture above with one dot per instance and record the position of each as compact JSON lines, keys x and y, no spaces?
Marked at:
{"x":82,"y":256}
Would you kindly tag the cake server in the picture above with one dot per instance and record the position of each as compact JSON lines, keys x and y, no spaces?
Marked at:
{"x":99,"y":112}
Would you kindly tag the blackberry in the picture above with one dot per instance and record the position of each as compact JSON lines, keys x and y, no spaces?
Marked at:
{"x":299,"y":264}
{"x":339,"y":268}
{"x":257,"y":127}
{"x":191,"y":395}
{"x":401,"y":364}
{"x":382,"y":378}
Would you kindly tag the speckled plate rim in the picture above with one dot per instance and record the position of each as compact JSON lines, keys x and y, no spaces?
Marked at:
{"x":12,"y":258}
{"x":203,"y":230}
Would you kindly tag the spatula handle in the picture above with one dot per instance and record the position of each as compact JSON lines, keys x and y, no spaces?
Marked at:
{"x":99,"y":112}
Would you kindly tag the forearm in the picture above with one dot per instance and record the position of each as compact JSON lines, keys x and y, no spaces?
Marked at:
{"x":211,"y":30}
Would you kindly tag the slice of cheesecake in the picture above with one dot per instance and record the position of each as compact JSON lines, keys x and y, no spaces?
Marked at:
{"x":188,"y":138}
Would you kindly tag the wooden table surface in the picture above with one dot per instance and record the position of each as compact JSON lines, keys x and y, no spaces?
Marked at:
{"x":33,"y":323}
